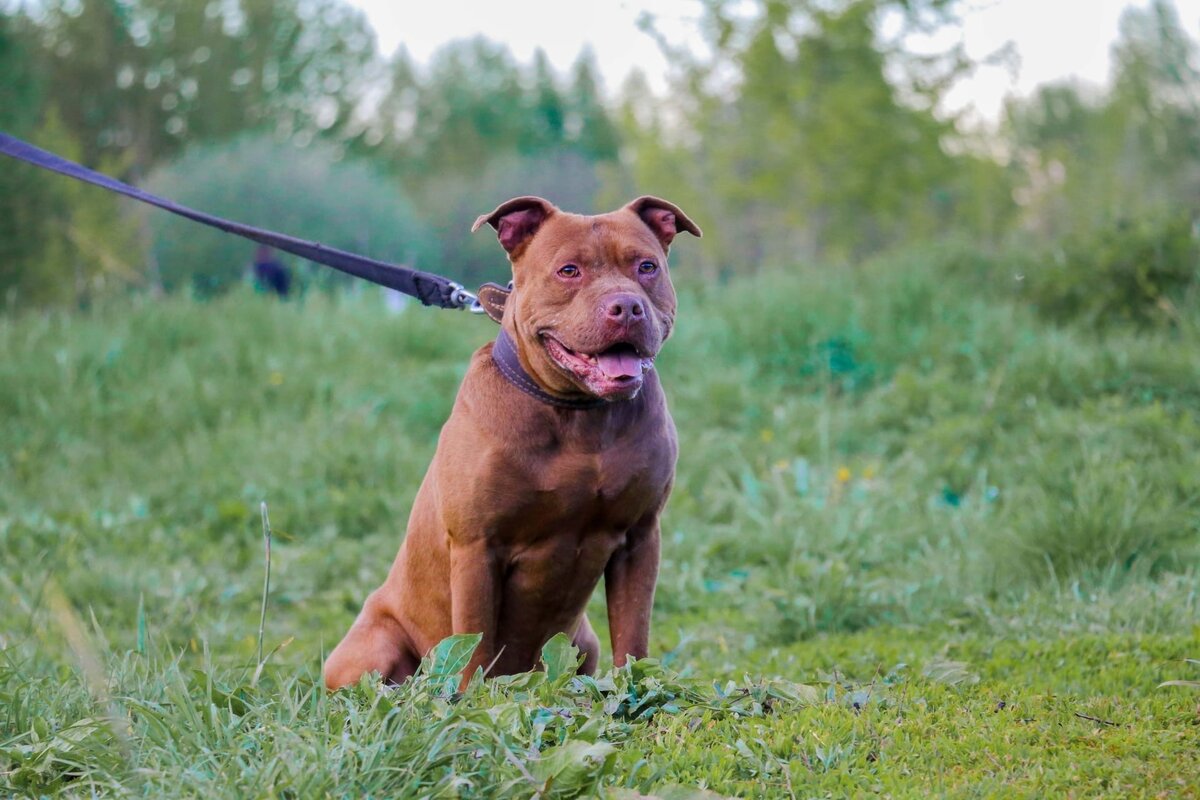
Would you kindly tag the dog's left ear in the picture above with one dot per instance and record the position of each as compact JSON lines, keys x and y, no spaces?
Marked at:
{"x":516,"y":220}
{"x":665,"y":219}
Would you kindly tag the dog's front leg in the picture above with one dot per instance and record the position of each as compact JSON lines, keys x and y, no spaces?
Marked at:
{"x":629,"y":585}
{"x":475,"y":599}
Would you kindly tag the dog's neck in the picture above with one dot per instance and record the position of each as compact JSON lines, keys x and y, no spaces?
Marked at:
{"x":504,"y":353}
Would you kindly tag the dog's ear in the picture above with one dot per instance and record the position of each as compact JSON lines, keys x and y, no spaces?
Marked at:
{"x":516,"y":220}
{"x":665,"y":219}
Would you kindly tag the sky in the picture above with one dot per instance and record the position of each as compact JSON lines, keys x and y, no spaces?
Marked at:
{"x":1053,"y":39}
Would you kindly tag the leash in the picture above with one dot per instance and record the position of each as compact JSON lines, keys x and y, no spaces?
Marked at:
{"x":430,"y":289}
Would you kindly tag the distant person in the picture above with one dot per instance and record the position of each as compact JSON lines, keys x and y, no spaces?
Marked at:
{"x":270,"y":275}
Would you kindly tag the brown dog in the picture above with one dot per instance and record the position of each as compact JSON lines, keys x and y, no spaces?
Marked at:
{"x":555,"y":463}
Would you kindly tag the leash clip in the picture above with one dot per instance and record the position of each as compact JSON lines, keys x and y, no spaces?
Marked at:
{"x":461,"y":298}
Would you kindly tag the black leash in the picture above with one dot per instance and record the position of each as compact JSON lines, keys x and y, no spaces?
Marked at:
{"x":430,"y":289}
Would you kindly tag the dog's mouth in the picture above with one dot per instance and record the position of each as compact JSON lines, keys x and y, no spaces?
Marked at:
{"x":615,"y":373}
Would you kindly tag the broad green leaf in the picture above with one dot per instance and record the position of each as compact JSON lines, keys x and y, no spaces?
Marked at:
{"x":451,"y":655}
{"x":567,"y":765}
{"x":560,"y":657}
{"x":799,"y":693}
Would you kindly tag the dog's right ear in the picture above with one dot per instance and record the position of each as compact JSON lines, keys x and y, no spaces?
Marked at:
{"x":516,"y":220}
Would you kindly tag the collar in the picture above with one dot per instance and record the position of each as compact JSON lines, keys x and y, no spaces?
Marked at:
{"x":504,"y":353}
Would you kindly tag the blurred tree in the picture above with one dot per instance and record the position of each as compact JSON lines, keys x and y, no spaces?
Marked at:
{"x":1092,"y":159}
{"x":1057,"y":131}
{"x":469,"y":105}
{"x":547,"y":112}
{"x":588,"y":127}
{"x":807,"y":134}
{"x":311,"y":192}
{"x":20,"y":91}
{"x":25,"y":199}
{"x":152,"y":80}
{"x":60,"y":241}
{"x":1156,"y":95}
{"x":145,"y":77}
{"x":476,"y":127}
{"x":475,"y":103}
{"x":389,"y":134}
{"x":452,"y":202}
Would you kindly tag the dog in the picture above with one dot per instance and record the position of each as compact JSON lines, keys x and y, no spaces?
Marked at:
{"x":555,"y":463}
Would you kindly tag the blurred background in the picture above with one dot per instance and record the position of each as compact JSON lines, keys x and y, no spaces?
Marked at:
{"x":796,"y":130}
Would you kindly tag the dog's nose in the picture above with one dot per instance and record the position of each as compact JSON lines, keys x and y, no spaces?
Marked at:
{"x":624,"y":309}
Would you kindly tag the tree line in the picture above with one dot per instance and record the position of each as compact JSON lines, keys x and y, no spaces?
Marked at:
{"x":803,"y":130}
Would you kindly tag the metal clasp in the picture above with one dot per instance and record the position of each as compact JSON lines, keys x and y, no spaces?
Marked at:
{"x":461,"y":298}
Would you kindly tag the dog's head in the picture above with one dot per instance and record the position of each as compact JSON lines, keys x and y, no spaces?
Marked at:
{"x":592,"y":301}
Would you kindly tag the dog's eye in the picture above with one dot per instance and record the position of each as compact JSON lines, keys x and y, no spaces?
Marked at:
{"x":647,"y":268}
{"x":569,"y":271}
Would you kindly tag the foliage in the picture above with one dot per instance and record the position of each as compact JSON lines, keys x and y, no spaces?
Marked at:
{"x":880,"y":467}
{"x":169,"y":86}
{"x":803,"y":129}
{"x":143,"y":78}
{"x":1131,"y":273}
{"x":58,"y":241}
{"x":310,"y":193}
{"x":1092,"y":160}
{"x":61,"y":242}
{"x":474,"y":101}
{"x":564,"y":177}
{"x":786,"y":144}
{"x":476,"y":128}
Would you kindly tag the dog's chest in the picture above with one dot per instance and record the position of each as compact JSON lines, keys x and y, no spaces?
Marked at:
{"x":583,"y":511}
{"x":602,"y":492}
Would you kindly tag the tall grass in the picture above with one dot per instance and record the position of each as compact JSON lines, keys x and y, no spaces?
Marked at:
{"x":884,"y":448}
{"x":858,"y":447}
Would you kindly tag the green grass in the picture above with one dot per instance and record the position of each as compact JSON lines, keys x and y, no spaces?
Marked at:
{"x":970,"y":532}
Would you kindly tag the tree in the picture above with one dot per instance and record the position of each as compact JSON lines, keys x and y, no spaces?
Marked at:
{"x":547,"y":112}
{"x":588,"y":126}
{"x":1090,"y":160}
{"x":799,"y":137}
{"x":477,"y":127}
{"x":59,"y":241}
{"x":1156,"y":103}
{"x":468,"y":106}
{"x":144,"y":77}
{"x":310,"y":193}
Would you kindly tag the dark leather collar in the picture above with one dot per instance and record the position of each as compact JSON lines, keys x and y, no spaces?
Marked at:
{"x":504,"y":353}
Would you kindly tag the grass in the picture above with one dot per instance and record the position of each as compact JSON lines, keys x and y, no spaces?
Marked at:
{"x":922,"y":541}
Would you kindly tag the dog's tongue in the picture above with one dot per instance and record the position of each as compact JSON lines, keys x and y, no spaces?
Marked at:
{"x":622,"y":363}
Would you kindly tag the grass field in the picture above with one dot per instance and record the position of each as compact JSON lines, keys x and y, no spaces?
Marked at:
{"x":923,"y":542}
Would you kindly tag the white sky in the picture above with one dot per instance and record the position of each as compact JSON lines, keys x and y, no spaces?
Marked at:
{"x":1054,"y":39}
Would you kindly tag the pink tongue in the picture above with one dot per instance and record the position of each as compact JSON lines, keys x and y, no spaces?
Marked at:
{"x":620,"y":364}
